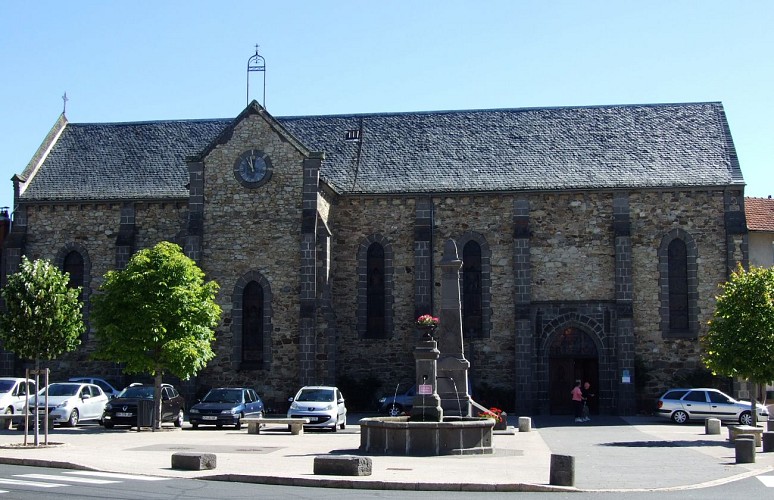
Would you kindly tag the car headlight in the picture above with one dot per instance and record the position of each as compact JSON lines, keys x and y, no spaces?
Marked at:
{"x":63,"y":405}
{"x":230,"y":411}
{"x":108,"y":407}
{"x":329,"y":407}
{"x":382,"y":400}
{"x":193,"y":410}
{"x":294,"y":406}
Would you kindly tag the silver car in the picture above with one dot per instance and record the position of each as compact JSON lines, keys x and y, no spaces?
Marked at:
{"x":322,"y":405}
{"x":682,"y":405}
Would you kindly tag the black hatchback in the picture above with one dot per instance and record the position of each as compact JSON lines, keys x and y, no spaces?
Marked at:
{"x":131,"y":405}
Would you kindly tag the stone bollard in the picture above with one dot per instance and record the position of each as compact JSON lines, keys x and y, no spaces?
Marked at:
{"x":770,"y":425}
{"x":562,"y":470}
{"x":768,"y":441}
{"x":194,"y":461}
{"x":712,"y":426}
{"x":525,"y":424}
{"x":745,"y":449}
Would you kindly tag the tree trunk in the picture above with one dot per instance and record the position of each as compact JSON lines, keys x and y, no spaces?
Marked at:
{"x":754,"y":393}
{"x":157,"y":400}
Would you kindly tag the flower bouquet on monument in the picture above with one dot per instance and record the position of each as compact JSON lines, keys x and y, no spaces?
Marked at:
{"x":427,"y":323}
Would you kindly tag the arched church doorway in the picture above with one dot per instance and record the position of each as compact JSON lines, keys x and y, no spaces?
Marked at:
{"x":572,"y":355}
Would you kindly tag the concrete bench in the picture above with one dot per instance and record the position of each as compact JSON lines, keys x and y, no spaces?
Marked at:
{"x":342,"y":465}
{"x":736,"y":430}
{"x":295,"y":425}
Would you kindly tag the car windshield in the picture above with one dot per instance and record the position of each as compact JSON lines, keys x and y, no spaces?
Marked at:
{"x":57,"y":390}
{"x":315,"y":395}
{"x":223,"y":396}
{"x":6,"y":385}
{"x":138,"y":391}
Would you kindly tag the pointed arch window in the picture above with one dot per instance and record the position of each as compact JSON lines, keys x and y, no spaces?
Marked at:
{"x":375,"y":293}
{"x":73,"y":265}
{"x":252,"y":325}
{"x":678,"y":285}
{"x":678,"y":282}
{"x":472,"y":317}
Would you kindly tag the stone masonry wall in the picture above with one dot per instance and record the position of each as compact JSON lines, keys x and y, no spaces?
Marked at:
{"x":653,"y":214}
{"x":95,"y":227}
{"x":255,"y":230}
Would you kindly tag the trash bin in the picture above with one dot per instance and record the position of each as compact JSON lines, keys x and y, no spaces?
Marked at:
{"x":144,"y":413}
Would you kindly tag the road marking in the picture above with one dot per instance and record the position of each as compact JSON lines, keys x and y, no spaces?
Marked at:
{"x":31,"y":483}
{"x":116,"y":475}
{"x":67,"y":478}
{"x":768,"y":481}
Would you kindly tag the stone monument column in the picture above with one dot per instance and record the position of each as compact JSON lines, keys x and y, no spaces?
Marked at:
{"x":427,"y":403}
{"x":452,"y":365}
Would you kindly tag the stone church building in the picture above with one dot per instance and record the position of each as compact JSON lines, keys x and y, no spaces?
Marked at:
{"x":593,"y":239}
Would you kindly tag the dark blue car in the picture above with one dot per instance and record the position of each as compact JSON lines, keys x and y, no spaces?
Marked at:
{"x":226,"y":406}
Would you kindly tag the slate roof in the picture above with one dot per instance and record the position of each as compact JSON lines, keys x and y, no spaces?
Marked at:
{"x":759,"y":213}
{"x":599,"y":147}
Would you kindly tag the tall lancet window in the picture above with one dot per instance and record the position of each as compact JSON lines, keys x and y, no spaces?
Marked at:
{"x":472,"y":317}
{"x":375,"y":292}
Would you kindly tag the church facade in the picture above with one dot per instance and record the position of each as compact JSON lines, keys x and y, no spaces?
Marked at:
{"x":593,"y":239}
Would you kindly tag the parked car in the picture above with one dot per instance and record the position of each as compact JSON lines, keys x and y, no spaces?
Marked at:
{"x":322,"y":405}
{"x":70,"y":402}
{"x":400,"y":401}
{"x":123,"y":410}
{"x":682,"y":405}
{"x":226,"y":406}
{"x":106,"y":386}
{"x":13,"y":393}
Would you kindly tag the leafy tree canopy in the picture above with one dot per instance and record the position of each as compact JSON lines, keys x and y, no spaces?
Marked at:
{"x":43,"y":314}
{"x":157,"y":315}
{"x":740,"y":341}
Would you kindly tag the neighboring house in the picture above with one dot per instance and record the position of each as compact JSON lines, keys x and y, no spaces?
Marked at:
{"x":590,"y":237}
{"x":760,"y":223}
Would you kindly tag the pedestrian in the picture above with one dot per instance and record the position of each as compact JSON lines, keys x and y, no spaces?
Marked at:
{"x":577,"y":401}
{"x":586,"y":394}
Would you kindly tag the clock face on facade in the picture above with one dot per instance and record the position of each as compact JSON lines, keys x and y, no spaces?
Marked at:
{"x":252,"y":168}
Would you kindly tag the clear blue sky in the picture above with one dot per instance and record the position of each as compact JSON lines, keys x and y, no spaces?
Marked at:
{"x":154,"y":59}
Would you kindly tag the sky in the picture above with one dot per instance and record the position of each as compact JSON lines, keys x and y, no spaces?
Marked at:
{"x":145,"y":60}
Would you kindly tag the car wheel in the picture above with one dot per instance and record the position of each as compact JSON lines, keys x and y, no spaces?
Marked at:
{"x":238,"y":424}
{"x":745,"y":418}
{"x":680,"y":417}
{"x":73,"y":420}
{"x":343,"y":423}
{"x":179,"y":419}
{"x":109,"y":425}
{"x":395,"y":410}
{"x":8,"y":422}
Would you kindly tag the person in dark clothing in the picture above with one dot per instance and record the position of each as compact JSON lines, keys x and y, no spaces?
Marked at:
{"x":586,"y":394}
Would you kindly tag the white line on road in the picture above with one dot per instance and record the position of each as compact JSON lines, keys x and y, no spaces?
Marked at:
{"x":67,"y":478}
{"x":30,"y":483}
{"x":116,"y":475}
{"x":767,"y":480}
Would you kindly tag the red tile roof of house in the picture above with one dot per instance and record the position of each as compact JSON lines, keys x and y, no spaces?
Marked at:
{"x":759,"y":213}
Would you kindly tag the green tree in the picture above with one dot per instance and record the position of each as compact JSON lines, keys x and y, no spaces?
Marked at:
{"x":156,"y":316}
{"x":43,"y":314}
{"x":740,"y":341}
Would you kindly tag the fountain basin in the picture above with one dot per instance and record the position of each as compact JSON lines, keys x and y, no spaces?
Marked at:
{"x":402,"y":436}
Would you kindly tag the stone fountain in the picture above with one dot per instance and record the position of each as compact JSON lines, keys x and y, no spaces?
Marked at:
{"x":440,"y":421}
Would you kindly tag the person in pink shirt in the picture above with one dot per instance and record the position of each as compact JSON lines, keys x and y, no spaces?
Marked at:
{"x":577,"y":401}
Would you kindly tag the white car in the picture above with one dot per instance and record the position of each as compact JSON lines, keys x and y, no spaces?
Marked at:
{"x":72,"y":402}
{"x":13,"y":392}
{"x":322,"y":405}
{"x":682,"y":405}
